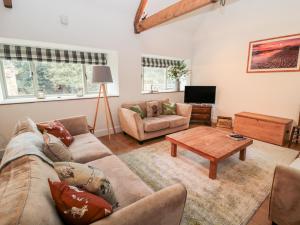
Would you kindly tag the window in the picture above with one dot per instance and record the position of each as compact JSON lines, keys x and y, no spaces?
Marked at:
{"x":59,"y":78}
{"x":155,"y":75}
{"x":91,"y":87}
{"x":25,"y":72}
{"x":18,"y":78}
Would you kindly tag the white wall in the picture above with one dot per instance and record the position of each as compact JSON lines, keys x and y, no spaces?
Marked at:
{"x":221,"y":50}
{"x":96,"y":24}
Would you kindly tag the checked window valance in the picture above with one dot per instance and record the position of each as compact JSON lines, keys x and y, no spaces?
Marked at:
{"x":15,"y":52}
{"x":158,"y":62}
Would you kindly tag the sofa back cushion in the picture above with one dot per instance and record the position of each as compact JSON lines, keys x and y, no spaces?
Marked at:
{"x":143,"y":105}
{"x":25,"y":194}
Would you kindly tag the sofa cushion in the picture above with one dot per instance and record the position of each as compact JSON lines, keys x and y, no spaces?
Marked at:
{"x":128,"y":187}
{"x":138,"y":110}
{"x":153,"y":108}
{"x":76,"y":206}
{"x":25,"y":197}
{"x":168,"y":109}
{"x":295,"y":164}
{"x":87,"y":178}
{"x":57,"y":129}
{"x":86,"y":148}
{"x":55,"y":149}
{"x":174,"y":120}
{"x":142,"y":104}
{"x":152,"y":124}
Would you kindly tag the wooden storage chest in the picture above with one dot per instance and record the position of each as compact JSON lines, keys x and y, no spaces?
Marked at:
{"x":270,"y":129}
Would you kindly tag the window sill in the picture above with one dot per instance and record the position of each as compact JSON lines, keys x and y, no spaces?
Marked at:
{"x":48,"y":99}
{"x":160,"y":92}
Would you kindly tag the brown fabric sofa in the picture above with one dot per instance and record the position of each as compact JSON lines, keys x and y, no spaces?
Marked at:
{"x":285,"y":195}
{"x":25,"y":196}
{"x":151,"y":127}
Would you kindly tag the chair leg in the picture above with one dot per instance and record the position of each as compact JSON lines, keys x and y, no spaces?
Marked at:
{"x":292,"y":136}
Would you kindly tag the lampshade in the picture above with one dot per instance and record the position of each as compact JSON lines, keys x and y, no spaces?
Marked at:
{"x":102,"y":74}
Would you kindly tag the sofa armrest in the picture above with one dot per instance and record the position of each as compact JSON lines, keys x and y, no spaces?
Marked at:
{"x":76,"y":125}
{"x":285,"y":196}
{"x":184,"y":110}
{"x":131,"y":123}
{"x":163,"y":207}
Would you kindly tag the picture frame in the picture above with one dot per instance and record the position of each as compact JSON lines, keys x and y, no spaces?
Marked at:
{"x":279,"y":54}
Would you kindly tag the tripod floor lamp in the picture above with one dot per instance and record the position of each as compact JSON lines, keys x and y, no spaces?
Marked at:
{"x":102,"y":75}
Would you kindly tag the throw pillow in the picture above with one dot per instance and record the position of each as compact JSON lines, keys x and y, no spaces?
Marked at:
{"x":169,"y":108}
{"x":77,"y":207}
{"x":55,"y":150}
{"x":138,"y":110}
{"x":57,"y":129}
{"x":152,"y":109}
{"x":88,"y":178}
{"x":160,"y":104}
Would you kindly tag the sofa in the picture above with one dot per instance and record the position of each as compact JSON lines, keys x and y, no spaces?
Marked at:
{"x":25,"y":196}
{"x":150,"y":127}
{"x":285,"y":195}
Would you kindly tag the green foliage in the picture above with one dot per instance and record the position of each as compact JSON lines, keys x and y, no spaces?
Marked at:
{"x":178,"y":71}
{"x":59,"y":78}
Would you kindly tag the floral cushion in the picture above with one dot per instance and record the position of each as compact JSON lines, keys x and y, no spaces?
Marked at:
{"x":168,"y":108}
{"x":57,"y":129}
{"x":87,"y":178}
{"x":153,"y":108}
{"x":76,"y":206}
{"x":138,"y":110}
{"x":55,"y":150}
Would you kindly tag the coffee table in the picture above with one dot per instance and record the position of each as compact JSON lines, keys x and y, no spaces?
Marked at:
{"x":210,"y":143}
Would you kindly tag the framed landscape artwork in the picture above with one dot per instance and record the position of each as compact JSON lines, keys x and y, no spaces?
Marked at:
{"x":279,"y":54}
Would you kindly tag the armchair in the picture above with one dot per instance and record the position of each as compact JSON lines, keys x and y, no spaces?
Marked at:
{"x":285,"y":195}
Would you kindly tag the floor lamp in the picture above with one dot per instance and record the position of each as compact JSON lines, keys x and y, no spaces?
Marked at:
{"x":102,"y":75}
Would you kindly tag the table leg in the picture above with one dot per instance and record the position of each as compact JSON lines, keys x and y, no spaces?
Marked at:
{"x":213,"y":170}
{"x":243,"y":154}
{"x":173,"y":150}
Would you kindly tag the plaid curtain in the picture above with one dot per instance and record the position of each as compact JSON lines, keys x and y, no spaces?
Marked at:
{"x":156,"y":62}
{"x":14,"y":52}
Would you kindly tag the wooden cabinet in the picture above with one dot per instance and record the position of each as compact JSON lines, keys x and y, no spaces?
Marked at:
{"x":201,"y":114}
{"x":270,"y":129}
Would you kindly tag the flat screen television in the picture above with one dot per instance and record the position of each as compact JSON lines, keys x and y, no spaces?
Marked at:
{"x":200,"y":94}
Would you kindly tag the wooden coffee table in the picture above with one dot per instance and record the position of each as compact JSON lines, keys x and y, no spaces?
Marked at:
{"x":210,"y":143}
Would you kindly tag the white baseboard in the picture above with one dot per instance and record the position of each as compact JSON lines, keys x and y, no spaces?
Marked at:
{"x":103,"y":132}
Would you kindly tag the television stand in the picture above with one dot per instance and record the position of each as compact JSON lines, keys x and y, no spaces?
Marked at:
{"x":201,"y":113}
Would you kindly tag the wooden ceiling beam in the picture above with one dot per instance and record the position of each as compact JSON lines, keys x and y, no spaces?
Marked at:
{"x":139,"y":14}
{"x":178,"y":9}
{"x":7,"y":3}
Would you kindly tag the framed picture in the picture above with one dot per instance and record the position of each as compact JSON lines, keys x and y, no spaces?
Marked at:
{"x":279,"y":54}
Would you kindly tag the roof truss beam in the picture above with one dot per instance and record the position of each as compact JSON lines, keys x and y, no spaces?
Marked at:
{"x":178,"y":9}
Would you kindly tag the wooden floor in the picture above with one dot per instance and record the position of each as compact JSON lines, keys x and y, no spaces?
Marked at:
{"x":120,"y":143}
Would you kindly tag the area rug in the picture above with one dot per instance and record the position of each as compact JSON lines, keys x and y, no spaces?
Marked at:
{"x":231,"y":199}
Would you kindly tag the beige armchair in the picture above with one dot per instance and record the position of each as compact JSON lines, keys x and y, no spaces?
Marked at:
{"x":285,"y":195}
{"x":151,"y":127}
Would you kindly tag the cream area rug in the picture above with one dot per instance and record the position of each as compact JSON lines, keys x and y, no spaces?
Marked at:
{"x":231,"y":199}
